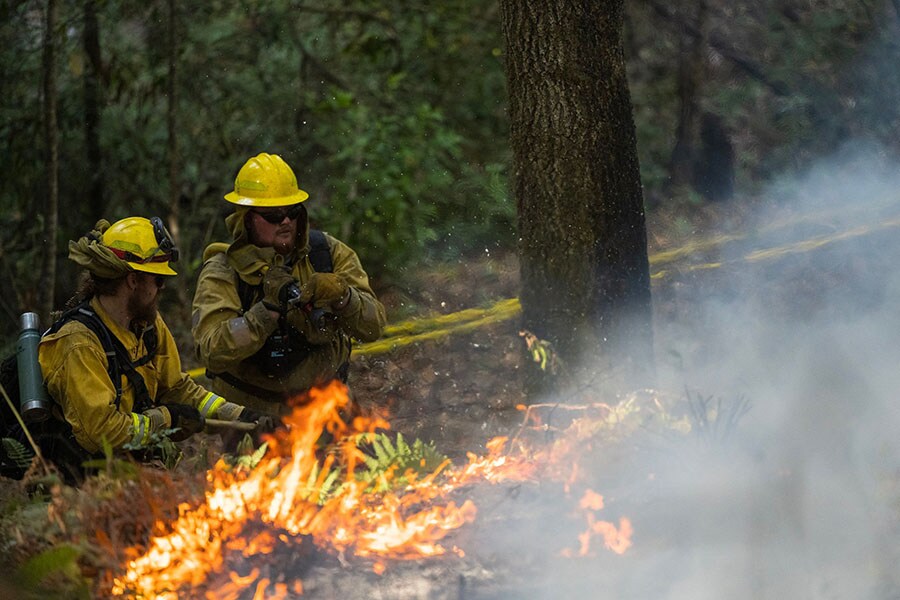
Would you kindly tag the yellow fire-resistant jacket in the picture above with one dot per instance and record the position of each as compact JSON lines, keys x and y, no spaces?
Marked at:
{"x":74,"y":366}
{"x":227,"y":337}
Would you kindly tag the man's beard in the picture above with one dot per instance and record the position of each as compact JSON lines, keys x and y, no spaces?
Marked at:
{"x":143,"y":312}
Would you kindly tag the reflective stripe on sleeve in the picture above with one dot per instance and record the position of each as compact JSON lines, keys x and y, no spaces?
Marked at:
{"x":140,"y":426}
{"x":210,"y":404}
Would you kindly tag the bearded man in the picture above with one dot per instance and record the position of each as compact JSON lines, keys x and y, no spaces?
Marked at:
{"x":276,"y":310}
{"x":110,"y":363}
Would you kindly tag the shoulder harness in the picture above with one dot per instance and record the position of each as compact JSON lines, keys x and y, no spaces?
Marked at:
{"x":117,"y":358}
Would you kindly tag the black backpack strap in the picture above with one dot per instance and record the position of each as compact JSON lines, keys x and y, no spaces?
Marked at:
{"x":117,"y":357}
{"x":246,"y":292}
{"x":319,"y":252}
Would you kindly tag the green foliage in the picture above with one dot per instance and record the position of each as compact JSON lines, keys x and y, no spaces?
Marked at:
{"x":159,"y":447}
{"x":317,"y":492}
{"x":17,"y":452}
{"x":44,"y":570}
{"x":113,"y":466}
{"x":247,"y":455}
{"x":392,"y":114}
{"x":388,"y":468}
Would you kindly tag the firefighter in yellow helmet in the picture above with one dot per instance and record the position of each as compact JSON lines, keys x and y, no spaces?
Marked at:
{"x":275,"y":311}
{"x":110,"y":363}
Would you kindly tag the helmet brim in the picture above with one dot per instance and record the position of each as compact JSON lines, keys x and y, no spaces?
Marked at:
{"x":242,"y":200}
{"x":159,"y":268}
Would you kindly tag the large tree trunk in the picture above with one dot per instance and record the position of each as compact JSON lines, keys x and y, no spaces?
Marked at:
{"x":583,"y":249}
{"x":51,"y":148}
{"x":92,"y":109}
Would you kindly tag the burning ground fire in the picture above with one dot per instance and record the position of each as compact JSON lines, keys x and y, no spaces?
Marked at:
{"x":252,"y":511}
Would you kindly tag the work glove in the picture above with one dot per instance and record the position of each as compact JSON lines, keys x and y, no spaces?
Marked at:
{"x":325,"y":290}
{"x":277,"y":283}
{"x":186,"y":419}
{"x":264,"y":423}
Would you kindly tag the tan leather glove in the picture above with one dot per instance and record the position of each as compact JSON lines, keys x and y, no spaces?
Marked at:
{"x":326,"y":290}
{"x":276,"y":288}
{"x":186,"y":419}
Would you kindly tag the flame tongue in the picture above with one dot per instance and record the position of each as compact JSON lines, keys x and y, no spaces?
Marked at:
{"x":277,"y":493}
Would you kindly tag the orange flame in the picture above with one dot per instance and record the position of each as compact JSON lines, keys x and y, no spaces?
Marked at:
{"x":617,"y":540}
{"x":275,"y":493}
{"x":279,"y":494}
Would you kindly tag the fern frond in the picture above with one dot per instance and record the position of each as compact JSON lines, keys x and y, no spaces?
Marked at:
{"x":17,"y":452}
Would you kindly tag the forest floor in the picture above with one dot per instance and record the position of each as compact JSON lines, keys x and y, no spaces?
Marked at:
{"x":789,"y":315}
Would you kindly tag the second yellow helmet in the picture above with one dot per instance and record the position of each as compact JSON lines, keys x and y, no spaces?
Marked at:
{"x":266,"y":180}
{"x":145,"y":244}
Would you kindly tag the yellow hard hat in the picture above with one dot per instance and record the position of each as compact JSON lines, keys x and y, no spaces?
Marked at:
{"x":266,"y":180}
{"x":145,"y":244}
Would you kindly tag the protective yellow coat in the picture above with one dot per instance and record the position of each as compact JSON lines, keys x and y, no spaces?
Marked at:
{"x":227,"y":337}
{"x":74,"y":366}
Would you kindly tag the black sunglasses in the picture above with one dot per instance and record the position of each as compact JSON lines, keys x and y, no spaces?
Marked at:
{"x":275,"y":216}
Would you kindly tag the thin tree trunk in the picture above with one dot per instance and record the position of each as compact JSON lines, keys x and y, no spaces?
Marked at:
{"x":720,"y":45}
{"x":172,"y":124}
{"x":583,"y":249}
{"x":51,"y":146}
{"x":690,"y":67}
{"x":92,"y":109}
{"x":172,"y":149}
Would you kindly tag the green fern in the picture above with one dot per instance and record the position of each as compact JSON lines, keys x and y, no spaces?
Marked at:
{"x":17,"y":452}
{"x":391,"y":462}
{"x":325,"y":490}
{"x":246,"y":455}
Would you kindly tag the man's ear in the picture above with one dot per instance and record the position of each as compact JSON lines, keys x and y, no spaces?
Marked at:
{"x":131,"y":280}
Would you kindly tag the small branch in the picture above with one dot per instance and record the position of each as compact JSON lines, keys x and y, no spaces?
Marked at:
{"x":728,"y":52}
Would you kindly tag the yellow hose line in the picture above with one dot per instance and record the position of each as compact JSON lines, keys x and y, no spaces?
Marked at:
{"x":501,"y":311}
{"x":427,"y":329}
{"x":470,"y":314}
{"x":791,"y":248}
{"x":692,"y":247}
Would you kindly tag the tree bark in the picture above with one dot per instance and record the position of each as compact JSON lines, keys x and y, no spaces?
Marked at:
{"x":92,"y":109}
{"x":51,"y":148}
{"x":576,"y":179}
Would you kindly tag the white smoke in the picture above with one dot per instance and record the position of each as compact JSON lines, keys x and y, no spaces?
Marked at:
{"x":803,"y":502}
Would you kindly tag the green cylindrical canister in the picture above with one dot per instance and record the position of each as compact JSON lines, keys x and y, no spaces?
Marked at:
{"x":34,"y":405}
